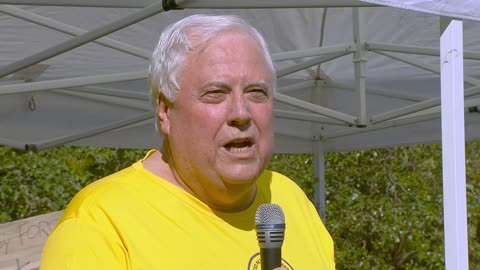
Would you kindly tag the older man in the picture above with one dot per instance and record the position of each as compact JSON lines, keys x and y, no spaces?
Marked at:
{"x":192,"y":204}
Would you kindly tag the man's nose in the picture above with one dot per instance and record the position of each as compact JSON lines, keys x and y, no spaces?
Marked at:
{"x":240,"y":112}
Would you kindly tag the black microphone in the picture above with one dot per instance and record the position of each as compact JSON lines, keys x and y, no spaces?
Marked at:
{"x":270,"y":227}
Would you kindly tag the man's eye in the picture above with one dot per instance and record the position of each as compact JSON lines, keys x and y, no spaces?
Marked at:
{"x":258,"y":94}
{"x":214,"y":95}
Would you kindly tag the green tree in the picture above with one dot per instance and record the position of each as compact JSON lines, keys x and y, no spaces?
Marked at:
{"x":33,"y":183}
{"x":384,"y":206}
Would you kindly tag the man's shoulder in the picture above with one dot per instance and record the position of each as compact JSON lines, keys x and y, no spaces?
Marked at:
{"x":277,"y":182}
{"x":277,"y":178}
{"x":110,"y":189}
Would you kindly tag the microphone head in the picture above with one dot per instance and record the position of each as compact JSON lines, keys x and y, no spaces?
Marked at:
{"x":269,"y":213}
{"x":270,"y":225}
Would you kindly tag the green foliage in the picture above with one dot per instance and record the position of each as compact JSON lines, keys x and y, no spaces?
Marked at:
{"x":384,"y":206}
{"x":298,"y":168}
{"x":37,"y":183}
{"x":388,"y":204}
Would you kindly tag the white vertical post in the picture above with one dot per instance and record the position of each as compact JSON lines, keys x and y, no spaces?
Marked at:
{"x":319,"y":172}
{"x":360,"y":60}
{"x":453,"y":148}
{"x":319,"y":96}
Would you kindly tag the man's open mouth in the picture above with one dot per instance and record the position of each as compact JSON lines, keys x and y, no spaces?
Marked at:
{"x":241,"y":145}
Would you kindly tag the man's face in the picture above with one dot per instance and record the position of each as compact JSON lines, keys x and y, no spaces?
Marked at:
{"x":220,"y":128}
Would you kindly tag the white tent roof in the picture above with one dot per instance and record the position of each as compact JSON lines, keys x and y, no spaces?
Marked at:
{"x":461,"y":9}
{"x":100,"y":87}
{"x":353,"y":75}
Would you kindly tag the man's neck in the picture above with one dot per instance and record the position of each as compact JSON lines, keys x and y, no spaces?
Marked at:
{"x":234,"y":199}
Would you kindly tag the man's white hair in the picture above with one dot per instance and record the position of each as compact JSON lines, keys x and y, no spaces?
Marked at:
{"x":186,"y":35}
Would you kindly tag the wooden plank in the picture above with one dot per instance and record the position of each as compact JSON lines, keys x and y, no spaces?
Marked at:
{"x":21,"y":241}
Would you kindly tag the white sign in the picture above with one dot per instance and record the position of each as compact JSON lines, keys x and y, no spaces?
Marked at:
{"x":21,"y":241}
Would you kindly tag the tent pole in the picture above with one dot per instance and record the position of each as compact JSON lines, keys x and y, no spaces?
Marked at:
{"x":118,"y":101}
{"x":11,"y":82}
{"x":104,"y":91}
{"x":71,"y":30}
{"x":281,"y":56}
{"x":453,"y":147}
{"x":82,"y":3}
{"x":422,"y":65}
{"x":308,"y":117}
{"x":319,"y":186}
{"x":319,"y":96}
{"x":66,"y":83}
{"x":225,"y":4}
{"x":384,"y":125}
{"x":309,"y":63}
{"x":13,"y":144}
{"x":297,"y":86}
{"x":379,"y":92}
{"x":88,"y":133}
{"x":417,"y":107}
{"x":371,"y":46}
{"x":83,"y":39}
{"x":420,"y":106}
{"x":293,"y":134}
{"x":315,"y":108}
{"x":360,"y":60}
{"x":406,"y":120}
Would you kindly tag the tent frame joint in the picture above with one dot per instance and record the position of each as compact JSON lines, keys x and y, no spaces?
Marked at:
{"x":169,"y":5}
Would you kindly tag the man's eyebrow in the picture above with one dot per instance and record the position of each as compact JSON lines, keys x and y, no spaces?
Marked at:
{"x":258,"y":84}
{"x":219,"y":84}
{"x":216,"y":84}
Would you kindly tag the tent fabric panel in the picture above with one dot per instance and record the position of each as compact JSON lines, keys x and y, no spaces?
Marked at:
{"x":463,"y":9}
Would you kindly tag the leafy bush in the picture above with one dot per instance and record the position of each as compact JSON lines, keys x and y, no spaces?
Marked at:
{"x":37,"y":183}
{"x":384,"y":206}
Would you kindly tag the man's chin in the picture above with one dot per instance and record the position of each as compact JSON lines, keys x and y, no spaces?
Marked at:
{"x":240,"y":179}
{"x":238,"y":174}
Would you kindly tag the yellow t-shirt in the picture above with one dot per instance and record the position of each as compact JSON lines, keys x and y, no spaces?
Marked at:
{"x":135,"y":220}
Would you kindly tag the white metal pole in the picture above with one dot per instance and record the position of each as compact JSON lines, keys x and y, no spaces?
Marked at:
{"x":281,"y":56}
{"x":380,"y":92}
{"x":420,"y":106}
{"x":425,"y":115}
{"x":422,"y":65}
{"x":72,"y":30}
{"x":453,"y":148}
{"x":12,"y":143}
{"x":309,"y":63}
{"x":218,"y":4}
{"x":308,"y":117}
{"x":82,"y":3}
{"x":105,"y":91}
{"x":360,"y":60}
{"x":72,"y":82}
{"x":82,"y":39}
{"x":292,"y":133}
{"x":123,"y":102}
{"x":297,"y":86}
{"x":319,"y":96}
{"x":373,"y":46}
{"x":315,"y":108}
{"x":319,"y":187}
{"x":90,"y":132}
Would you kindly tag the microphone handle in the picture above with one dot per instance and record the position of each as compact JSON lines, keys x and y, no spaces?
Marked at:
{"x":270,"y":258}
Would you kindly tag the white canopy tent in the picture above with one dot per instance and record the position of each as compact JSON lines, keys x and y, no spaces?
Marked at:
{"x":353,"y":75}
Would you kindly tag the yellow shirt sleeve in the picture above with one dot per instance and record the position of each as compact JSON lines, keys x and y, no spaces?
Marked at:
{"x":78,"y":245}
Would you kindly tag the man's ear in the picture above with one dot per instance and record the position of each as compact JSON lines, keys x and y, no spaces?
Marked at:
{"x":163,"y":113}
